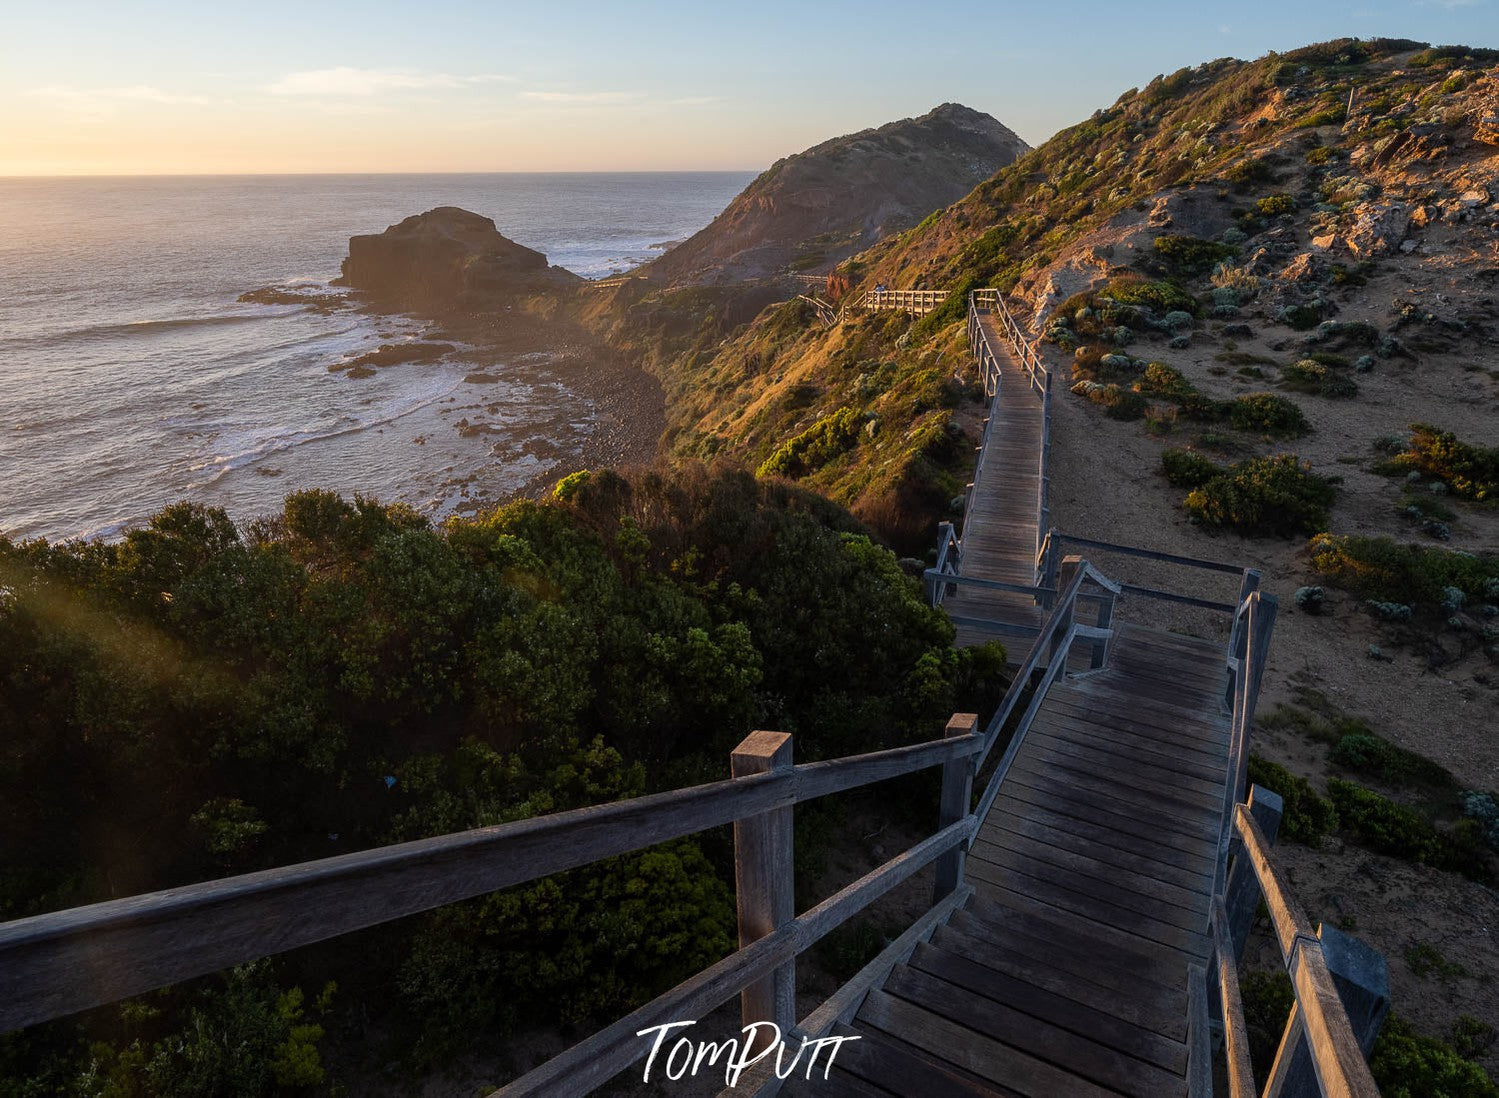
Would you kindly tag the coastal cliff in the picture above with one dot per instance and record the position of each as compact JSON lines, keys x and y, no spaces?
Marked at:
{"x":809,"y":211}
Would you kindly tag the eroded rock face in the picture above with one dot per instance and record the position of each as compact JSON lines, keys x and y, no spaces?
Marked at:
{"x":445,"y":258}
{"x":1378,"y":228}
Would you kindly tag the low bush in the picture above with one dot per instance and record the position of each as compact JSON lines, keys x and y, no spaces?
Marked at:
{"x":1383,"y":570}
{"x":1406,"y":1065}
{"x":1315,"y":374}
{"x":1118,"y":402}
{"x":1276,"y":204}
{"x":1471,"y":472}
{"x":1188,"y":469}
{"x":1307,"y":817}
{"x":1388,"y":827}
{"x":815,"y":447}
{"x":1160,"y":380}
{"x":1191,"y":255}
{"x":1367,"y":753}
{"x":1267,"y":413}
{"x":1277,"y":495}
{"x":1162,"y":295}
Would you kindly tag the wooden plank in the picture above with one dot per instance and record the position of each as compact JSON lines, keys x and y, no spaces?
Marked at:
{"x":1209,"y":741}
{"x":1136,"y":821}
{"x":1097,"y":1063}
{"x":1187,"y":819}
{"x":1153,"y":864}
{"x":886,"y":1063}
{"x":1170,"y":945}
{"x":1099,"y":1026}
{"x":1073,"y":737}
{"x":1108,"y":888}
{"x":1058,"y":729}
{"x":1138,"y":774}
{"x":1087,"y":978}
{"x":1058,"y":937}
{"x":1287,"y":918}
{"x":1191,"y":855}
{"x":983,"y":1056}
{"x":1099,"y":907}
{"x":993,"y":846}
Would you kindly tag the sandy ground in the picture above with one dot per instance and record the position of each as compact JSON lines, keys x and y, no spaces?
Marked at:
{"x":1106,"y":485}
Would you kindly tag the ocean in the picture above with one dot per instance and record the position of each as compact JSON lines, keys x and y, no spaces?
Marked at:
{"x":131,"y":377}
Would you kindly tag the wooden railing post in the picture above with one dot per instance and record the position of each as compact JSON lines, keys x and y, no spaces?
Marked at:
{"x":1362,"y":980}
{"x":957,"y":797}
{"x":1068,"y":573}
{"x":1105,"y":621}
{"x":763,"y":880}
{"x":1242,"y":895}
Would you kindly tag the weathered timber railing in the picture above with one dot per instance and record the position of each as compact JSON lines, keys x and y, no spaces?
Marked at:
{"x":609,"y":283}
{"x":919,"y":302}
{"x":63,"y":962}
{"x":1055,"y":543}
{"x":826,"y":313}
{"x":1341,"y":986}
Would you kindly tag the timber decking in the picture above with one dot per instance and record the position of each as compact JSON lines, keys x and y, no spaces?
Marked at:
{"x":999,"y":535}
{"x":1066,"y":971}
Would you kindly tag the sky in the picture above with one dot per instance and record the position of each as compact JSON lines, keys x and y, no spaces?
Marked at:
{"x":565,"y":85}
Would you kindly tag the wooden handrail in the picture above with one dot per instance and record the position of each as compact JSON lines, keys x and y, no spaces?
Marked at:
{"x":66,"y":961}
{"x":594,"y":1061}
{"x":1231,"y":1003}
{"x":1336,"y":1054}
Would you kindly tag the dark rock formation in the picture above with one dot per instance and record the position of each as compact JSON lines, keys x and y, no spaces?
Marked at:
{"x":446,"y":258}
{"x":814,"y":209}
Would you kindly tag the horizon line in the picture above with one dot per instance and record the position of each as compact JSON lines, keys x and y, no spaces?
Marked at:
{"x":272,"y":174}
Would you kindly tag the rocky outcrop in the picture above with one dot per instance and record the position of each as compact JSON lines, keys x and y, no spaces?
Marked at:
{"x":446,"y":258}
{"x":814,"y":209}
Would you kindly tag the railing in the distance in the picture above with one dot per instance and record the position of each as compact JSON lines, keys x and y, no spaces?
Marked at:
{"x":63,"y":962}
{"x":919,"y":302}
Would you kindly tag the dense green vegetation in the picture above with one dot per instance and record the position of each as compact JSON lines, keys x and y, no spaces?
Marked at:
{"x":199,"y":700}
{"x":1277,"y":495}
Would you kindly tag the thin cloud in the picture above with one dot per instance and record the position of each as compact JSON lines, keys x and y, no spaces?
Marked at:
{"x":105,"y":102}
{"x":581,"y":97}
{"x":347,"y":81}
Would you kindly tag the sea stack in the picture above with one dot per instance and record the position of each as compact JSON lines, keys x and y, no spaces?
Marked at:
{"x":446,"y":258}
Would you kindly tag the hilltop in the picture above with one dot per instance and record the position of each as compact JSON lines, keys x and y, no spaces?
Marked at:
{"x":812,"y":210}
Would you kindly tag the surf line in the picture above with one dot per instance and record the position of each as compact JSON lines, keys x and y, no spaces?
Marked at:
{"x":687,"y":1055}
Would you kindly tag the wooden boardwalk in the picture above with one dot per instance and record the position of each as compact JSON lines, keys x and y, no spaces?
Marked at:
{"x":1000,"y":531}
{"x":1066,"y":972}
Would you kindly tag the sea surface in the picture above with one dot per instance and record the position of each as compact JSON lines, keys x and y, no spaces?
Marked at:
{"x":131,"y":377}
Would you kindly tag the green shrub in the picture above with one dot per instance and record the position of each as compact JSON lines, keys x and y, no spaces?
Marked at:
{"x":1471,"y":472}
{"x":1191,"y":255}
{"x":1267,"y":413}
{"x":1117,"y":401}
{"x":1161,"y":295}
{"x":1277,"y":495}
{"x":1276,"y":204}
{"x":1384,"y":570}
{"x":1367,"y":753}
{"x":815,"y":447}
{"x":1301,"y":317}
{"x":1188,"y":469}
{"x":1307,"y":817}
{"x":1406,"y":1065}
{"x":1320,"y":155}
{"x":1161,"y":380}
{"x":1400,"y":831}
